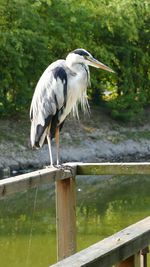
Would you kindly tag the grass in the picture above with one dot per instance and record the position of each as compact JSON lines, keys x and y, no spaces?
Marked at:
{"x":138,"y":135}
{"x":14,"y":130}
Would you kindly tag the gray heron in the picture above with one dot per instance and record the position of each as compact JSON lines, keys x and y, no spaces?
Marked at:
{"x":60,"y":89}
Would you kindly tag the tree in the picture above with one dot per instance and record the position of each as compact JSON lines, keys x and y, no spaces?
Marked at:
{"x":35,"y":33}
{"x":22,"y":51}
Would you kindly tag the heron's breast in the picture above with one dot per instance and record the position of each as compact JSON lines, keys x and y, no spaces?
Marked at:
{"x":76,"y":88}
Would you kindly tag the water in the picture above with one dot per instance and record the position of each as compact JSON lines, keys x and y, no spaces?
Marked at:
{"x":104,"y":205}
{"x":31,"y":229}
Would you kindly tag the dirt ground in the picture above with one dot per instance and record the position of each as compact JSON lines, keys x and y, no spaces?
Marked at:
{"x":94,"y":138}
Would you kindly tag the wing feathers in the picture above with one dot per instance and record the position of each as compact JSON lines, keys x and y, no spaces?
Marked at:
{"x":48,"y":101}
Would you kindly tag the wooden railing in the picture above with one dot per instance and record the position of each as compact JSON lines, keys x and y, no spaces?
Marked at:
{"x":122,"y":247}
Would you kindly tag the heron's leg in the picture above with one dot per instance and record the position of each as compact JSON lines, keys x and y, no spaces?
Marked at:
{"x":57,"y":143}
{"x":50,"y":149}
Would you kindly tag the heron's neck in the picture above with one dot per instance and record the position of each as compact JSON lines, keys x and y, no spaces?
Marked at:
{"x":76,"y":67}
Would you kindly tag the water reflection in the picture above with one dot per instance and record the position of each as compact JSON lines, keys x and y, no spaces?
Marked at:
{"x":104,"y":205}
{"x":109,"y":204}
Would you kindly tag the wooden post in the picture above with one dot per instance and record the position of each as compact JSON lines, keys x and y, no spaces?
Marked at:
{"x":144,"y":252}
{"x":133,"y":261}
{"x":65,"y":218}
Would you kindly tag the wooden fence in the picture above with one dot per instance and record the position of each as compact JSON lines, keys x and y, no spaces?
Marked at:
{"x":122,"y":247}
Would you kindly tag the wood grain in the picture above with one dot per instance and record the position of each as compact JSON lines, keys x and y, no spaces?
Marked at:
{"x":30,"y":180}
{"x":113,"y":168}
{"x":26,"y":181}
{"x":66,"y":218}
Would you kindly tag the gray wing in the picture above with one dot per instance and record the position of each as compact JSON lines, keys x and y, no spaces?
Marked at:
{"x":48,"y":99}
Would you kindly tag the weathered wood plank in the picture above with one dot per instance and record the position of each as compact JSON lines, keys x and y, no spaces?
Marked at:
{"x":26,"y":181}
{"x":113,"y":249}
{"x":66,"y":218}
{"x":30,"y":180}
{"x":138,"y":259}
{"x":113,"y":168}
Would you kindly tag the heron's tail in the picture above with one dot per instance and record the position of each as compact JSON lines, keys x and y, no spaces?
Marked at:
{"x":37,"y":135}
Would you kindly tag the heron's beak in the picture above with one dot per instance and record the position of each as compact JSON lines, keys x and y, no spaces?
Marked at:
{"x":95,"y":63}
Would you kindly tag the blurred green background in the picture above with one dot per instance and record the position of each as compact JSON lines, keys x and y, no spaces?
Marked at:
{"x":33,"y":33}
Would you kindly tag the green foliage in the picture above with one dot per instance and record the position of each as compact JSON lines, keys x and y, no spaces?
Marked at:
{"x":35,"y":33}
{"x":127,"y":108}
{"x":22,"y":51}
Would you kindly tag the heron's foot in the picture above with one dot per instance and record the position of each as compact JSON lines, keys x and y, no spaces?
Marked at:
{"x":65,"y":168}
{"x":48,"y":166}
{"x":58,"y":166}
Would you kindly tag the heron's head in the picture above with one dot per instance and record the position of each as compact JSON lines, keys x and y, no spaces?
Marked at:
{"x":79,"y":56}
